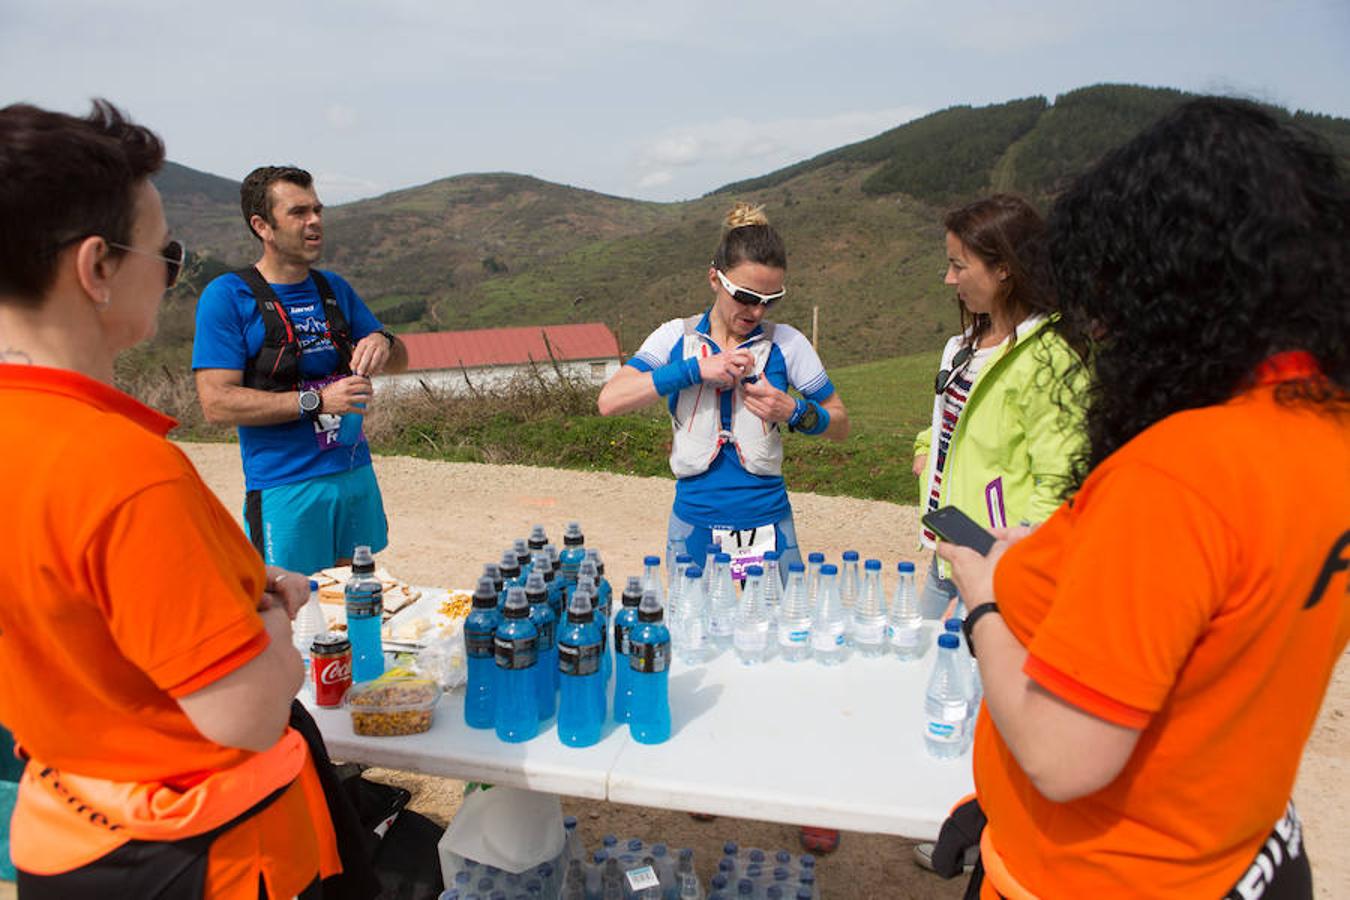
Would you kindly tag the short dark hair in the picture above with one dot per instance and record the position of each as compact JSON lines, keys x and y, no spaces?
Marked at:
{"x":255,"y":197}
{"x":63,"y":178}
{"x":1215,"y":238}
{"x":1005,"y":230}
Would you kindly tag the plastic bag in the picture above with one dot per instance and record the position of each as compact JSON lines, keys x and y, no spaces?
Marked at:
{"x":505,"y":827}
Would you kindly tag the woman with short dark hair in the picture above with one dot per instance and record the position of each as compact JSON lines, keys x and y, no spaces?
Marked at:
{"x":1154,"y":656}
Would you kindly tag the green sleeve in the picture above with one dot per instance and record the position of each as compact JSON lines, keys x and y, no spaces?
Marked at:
{"x":1053,"y":423}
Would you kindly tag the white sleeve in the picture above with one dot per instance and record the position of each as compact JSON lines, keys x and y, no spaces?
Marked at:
{"x":805,"y":371}
{"x":655,"y":350}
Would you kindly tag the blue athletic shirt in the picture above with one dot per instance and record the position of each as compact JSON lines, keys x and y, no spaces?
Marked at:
{"x":726,"y":495}
{"x":230,"y":332}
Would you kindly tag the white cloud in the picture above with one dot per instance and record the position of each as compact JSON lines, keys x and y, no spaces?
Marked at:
{"x":656,"y":179}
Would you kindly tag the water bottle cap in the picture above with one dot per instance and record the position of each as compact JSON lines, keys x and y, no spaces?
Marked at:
{"x":522,"y":547}
{"x":599,"y":560}
{"x":658,"y":849}
{"x":731,"y":847}
{"x":651,"y":560}
{"x":686,"y":854}
{"x":572,"y":536}
{"x":771,"y":555}
{"x":587,"y":569}
{"x":808,"y":877}
{"x":850,"y":556}
{"x":808,"y":861}
{"x":649,"y":610}
{"x":509,"y":566}
{"x":756,"y":856}
{"x":952,"y":625}
{"x":608,"y":840}
{"x":538,"y":537}
{"x":829,"y":569}
{"x":783,"y":857}
{"x":780,"y":873}
{"x":872,"y":565}
{"x":754,"y":571}
{"x":815,"y":557}
{"x":693,"y":572}
{"x":719,"y":880}
{"x":313,"y":585}
{"x":722,"y":558}
{"x":683,"y":559}
{"x":904,"y":566}
{"x":803,"y":893}
{"x":632,"y":592}
{"x":569,"y":822}
{"x":517,"y":607}
{"x":796,"y":567}
{"x":745,"y":887}
{"x":948,"y":641}
{"x":485,"y":595}
{"x":552,"y":550}
{"x":362,"y":562}
{"x":534,"y":583}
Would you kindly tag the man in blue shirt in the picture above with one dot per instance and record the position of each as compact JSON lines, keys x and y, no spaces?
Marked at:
{"x":285,"y":352}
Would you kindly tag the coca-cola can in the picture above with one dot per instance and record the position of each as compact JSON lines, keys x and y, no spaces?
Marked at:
{"x":331,"y":661}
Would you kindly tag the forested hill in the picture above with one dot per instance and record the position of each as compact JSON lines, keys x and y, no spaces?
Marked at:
{"x":862,"y":224}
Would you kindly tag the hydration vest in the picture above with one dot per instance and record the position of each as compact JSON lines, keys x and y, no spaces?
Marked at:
{"x":277,"y":365}
{"x":698,"y":435}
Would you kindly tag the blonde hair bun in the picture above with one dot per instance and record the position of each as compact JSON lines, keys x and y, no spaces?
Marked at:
{"x":743,"y":214}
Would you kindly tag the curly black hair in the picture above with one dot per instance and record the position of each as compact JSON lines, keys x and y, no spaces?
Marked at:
{"x":1212,"y":240}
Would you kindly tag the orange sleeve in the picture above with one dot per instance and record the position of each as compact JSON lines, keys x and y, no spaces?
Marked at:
{"x":179,"y":584}
{"x":1082,"y":696}
{"x":1141,"y":576}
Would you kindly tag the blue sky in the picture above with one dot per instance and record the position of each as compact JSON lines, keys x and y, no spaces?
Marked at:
{"x":660,"y":101}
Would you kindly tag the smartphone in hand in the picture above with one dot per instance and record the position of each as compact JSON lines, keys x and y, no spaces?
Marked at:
{"x":955,"y":527}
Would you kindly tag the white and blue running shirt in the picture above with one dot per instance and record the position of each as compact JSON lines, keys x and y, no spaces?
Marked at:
{"x":726,"y":495}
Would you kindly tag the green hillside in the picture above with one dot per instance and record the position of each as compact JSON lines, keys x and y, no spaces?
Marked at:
{"x":862,"y":224}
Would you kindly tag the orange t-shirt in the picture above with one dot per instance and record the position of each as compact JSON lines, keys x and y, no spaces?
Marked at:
{"x":1195,"y":591}
{"x":127,"y":584}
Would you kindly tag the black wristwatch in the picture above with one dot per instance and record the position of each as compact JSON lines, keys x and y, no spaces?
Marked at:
{"x":388,"y":336}
{"x":973,"y":616}
{"x":311,"y":401}
{"x":807,"y":421}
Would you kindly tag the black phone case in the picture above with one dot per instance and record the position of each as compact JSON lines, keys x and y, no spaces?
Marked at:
{"x":954,"y":526}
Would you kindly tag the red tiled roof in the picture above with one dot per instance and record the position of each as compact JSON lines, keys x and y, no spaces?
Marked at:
{"x":508,"y":346}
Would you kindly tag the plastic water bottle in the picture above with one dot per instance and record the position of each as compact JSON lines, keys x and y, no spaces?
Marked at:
{"x":581,"y":706}
{"x":517,"y":690}
{"x":773,"y":586}
{"x":601,"y":615}
{"x":947,"y":702}
{"x":651,"y":578}
{"x":309,"y":622}
{"x":521,"y":546}
{"x":649,"y":715}
{"x":494,"y":571}
{"x":850,"y":581}
{"x":557,"y":586}
{"x":794,"y":616}
{"x":722,"y":602}
{"x":538,"y":538}
{"x":687,"y":885}
{"x":625,"y":620}
{"x":813,"y":563}
{"x":480,"y":629}
{"x":694,"y":645}
{"x":541,"y":616}
{"x":827,"y":626}
{"x":904,"y":622}
{"x":970,"y":667}
{"x":573,"y":552}
{"x":604,"y":590}
{"x":710,"y":566}
{"x":365,"y":612}
{"x":869,"y":613}
{"x":349,"y":429}
{"x":674,"y":591}
{"x":752,"y":622}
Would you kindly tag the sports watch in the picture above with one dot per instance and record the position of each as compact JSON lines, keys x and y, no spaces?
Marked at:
{"x":311,"y":401}
{"x":807,"y":421}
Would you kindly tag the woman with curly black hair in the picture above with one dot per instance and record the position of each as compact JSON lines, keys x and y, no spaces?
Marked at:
{"x":1160,"y":647}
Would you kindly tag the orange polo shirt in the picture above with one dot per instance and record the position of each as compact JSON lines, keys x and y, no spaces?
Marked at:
{"x":1196,"y":589}
{"x":127,"y":584}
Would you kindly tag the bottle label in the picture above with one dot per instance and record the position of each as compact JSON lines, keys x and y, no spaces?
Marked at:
{"x":905,"y":635}
{"x":621,"y":639}
{"x":868,"y":632}
{"x":520,"y":653}
{"x":364,"y":602}
{"x":583,"y":660}
{"x":751,"y":641}
{"x":947,"y":732}
{"x":827,"y":639}
{"x":478,"y":644}
{"x":649,"y":657}
{"x":642,"y":878}
{"x":793,"y":637}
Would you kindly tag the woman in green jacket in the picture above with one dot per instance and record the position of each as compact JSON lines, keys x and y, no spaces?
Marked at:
{"x":1006,"y":412}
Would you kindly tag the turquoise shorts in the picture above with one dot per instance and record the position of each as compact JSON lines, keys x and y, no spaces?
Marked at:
{"x":311,"y":525}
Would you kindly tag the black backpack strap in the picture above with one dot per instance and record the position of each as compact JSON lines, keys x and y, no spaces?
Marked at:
{"x":277,"y":365}
{"x":339,"y":331}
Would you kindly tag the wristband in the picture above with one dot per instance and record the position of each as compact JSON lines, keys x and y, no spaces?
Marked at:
{"x":676,"y":376}
{"x":797,"y":413}
{"x":815,"y":417}
{"x":968,"y":626}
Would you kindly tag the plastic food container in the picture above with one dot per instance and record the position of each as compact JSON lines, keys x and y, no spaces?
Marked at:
{"x":392,"y":706}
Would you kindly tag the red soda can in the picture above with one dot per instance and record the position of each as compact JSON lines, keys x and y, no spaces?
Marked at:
{"x":331,"y":661}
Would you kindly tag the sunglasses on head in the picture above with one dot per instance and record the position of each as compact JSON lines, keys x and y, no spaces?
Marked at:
{"x":945,"y":377}
{"x":172,"y":255}
{"x":747,"y":297}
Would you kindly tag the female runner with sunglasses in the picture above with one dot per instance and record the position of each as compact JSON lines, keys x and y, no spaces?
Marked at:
{"x":1004,"y":445}
{"x":724,"y":375}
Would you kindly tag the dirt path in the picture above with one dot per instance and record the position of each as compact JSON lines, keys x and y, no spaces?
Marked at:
{"x":447,"y":519}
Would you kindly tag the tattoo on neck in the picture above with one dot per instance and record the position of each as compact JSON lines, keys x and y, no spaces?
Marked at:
{"x":15,"y":356}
